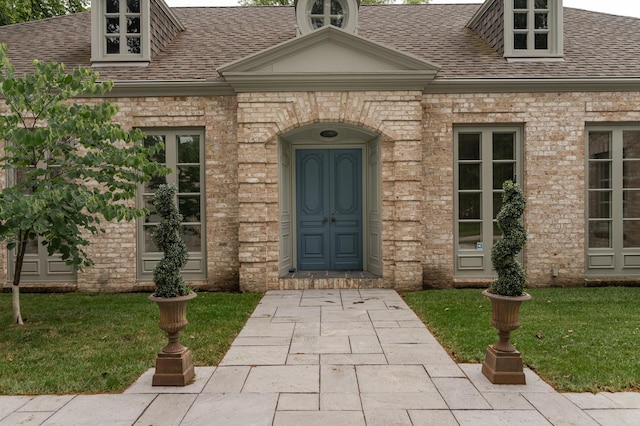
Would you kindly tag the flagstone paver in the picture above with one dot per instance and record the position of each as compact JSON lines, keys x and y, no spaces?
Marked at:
{"x":331,"y":358}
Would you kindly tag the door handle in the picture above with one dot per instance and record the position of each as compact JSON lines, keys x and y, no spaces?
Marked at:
{"x":325,"y":220}
{"x":333,"y":218}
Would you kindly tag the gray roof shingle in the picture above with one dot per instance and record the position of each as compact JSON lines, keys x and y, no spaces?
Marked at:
{"x":595,"y":44}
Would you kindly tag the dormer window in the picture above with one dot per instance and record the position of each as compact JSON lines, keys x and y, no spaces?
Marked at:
{"x":328,"y":12}
{"x":122,"y":25}
{"x":120,"y":30}
{"x":533,"y":28}
{"x":314,"y":14}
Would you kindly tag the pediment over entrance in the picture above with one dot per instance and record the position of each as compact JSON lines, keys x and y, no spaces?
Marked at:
{"x":329,"y":59}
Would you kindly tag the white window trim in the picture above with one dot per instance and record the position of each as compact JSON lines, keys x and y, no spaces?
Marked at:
{"x":303,"y":16}
{"x":556,"y":39}
{"x":98,"y":36}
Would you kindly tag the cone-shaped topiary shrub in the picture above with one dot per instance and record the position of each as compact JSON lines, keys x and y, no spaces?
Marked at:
{"x":511,"y":276}
{"x":166,"y":274}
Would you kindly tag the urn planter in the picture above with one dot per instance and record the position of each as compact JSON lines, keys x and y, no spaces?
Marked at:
{"x":174,"y":364}
{"x":503,"y":364}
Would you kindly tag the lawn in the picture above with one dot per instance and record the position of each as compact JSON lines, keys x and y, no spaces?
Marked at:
{"x":577,"y":339}
{"x":81,"y":343}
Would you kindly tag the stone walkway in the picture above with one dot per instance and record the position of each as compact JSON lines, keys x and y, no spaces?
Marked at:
{"x":331,"y":358}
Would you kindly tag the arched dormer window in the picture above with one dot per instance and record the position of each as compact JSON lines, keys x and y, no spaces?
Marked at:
{"x":314,"y":14}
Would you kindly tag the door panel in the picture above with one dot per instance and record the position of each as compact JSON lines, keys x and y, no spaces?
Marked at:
{"x":329,"y":208}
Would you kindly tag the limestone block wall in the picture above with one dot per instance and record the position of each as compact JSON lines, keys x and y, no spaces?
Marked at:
{"x":554,"y":167}
{"x":263,"y":117}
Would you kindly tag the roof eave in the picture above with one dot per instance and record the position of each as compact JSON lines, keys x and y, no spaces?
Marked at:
{"x":527,"y":85}
{"x":274,"y":82}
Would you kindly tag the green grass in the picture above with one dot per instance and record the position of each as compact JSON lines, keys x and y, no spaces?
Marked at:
{"x":80,"y":343}
{"x":577,"y":339}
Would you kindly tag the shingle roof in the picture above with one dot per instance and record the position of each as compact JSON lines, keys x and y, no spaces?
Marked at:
{"x":595,"y":44}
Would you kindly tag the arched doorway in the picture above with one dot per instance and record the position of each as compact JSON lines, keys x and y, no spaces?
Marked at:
{"x":329,"y":197}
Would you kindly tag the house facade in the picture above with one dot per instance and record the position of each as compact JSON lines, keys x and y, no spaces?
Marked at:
{"x":334,"y":145}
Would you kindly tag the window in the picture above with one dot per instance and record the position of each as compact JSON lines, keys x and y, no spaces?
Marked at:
{"x":327,"y":12}
{"x":533,"y":28}
{"x":485,"y":158}
{"x":184,"y":154}
{"x":613,"y":201}
{"x":120,"y":30}
{"x":38,"y":266}
{"x":314,"y":14}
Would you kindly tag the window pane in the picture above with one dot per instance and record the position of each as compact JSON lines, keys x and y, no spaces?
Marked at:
{"x":501,"y":173}
{"x":520,"y":41}
{"x":189,"y":208}
{"x":541,"y":4}
{"x":149,"y":246}
{"x":504,"y":146}
{"x":113,"y":25}
{"x":541,"y":21}
{"x":600,"y":234}
{"x":497,"y":203}
{"x":317,"y":22}
{"x":133,"y":25}
{"x":469,"y":176}
{"x":188,"y":179}
{"x":631,"y":144}
{"x":133,"y":6}
{"x":599,"y":145}
{"x":113,"y":45}
{"x":336,"y":7}
{"x":133,"y":45}
{"x":631,"y":234}
{"x":188,"y":149}
{"x":470,"y":206}
{"x":631,"y":204}
{"x":520,"y":21}
{"x":32,"y":246}
{"x":337,"y":22}
{"x":469,"y":235}
{"x":153,"y":216}
{"x":520,"y":4}
{"x":191,"y":234}
{"x":497,"y":233}
{"x":113,"y":6}
{"x":469,"y":146}
{"x":318,"y":7}
{"x":599,"y":175}
{"x":154,"y":183}
{"x":600,"y":204}
{"x":541,"y":41}
{"x":159,"y":157}
{"x":631,"y":174}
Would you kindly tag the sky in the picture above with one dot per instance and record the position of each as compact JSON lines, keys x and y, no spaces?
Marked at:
{"x":616,"y":7}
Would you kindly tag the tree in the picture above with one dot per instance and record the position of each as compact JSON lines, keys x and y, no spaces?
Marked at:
{"x":14,"y":11}
{"x":291,"y":2}
{"x":68,"y":167}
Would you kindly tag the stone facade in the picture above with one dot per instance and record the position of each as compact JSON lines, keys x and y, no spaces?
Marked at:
{"x":416,"y":156}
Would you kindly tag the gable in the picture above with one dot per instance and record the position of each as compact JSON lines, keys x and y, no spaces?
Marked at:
{"x":329,"y":59}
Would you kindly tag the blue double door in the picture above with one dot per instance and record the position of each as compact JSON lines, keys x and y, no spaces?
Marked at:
{"x":329,"y":209}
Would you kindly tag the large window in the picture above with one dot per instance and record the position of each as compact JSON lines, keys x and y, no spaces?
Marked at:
{"x":613,"y":201}
{"x":533,"y":28}
{"x":184,"y":154}
{"x":38,"y":266}
{"x":485,"y":158}
{"x":121,"y":30}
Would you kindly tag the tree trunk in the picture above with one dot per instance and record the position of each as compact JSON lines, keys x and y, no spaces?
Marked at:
{"x":15,"y":288}
{"x":17,"y":317}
